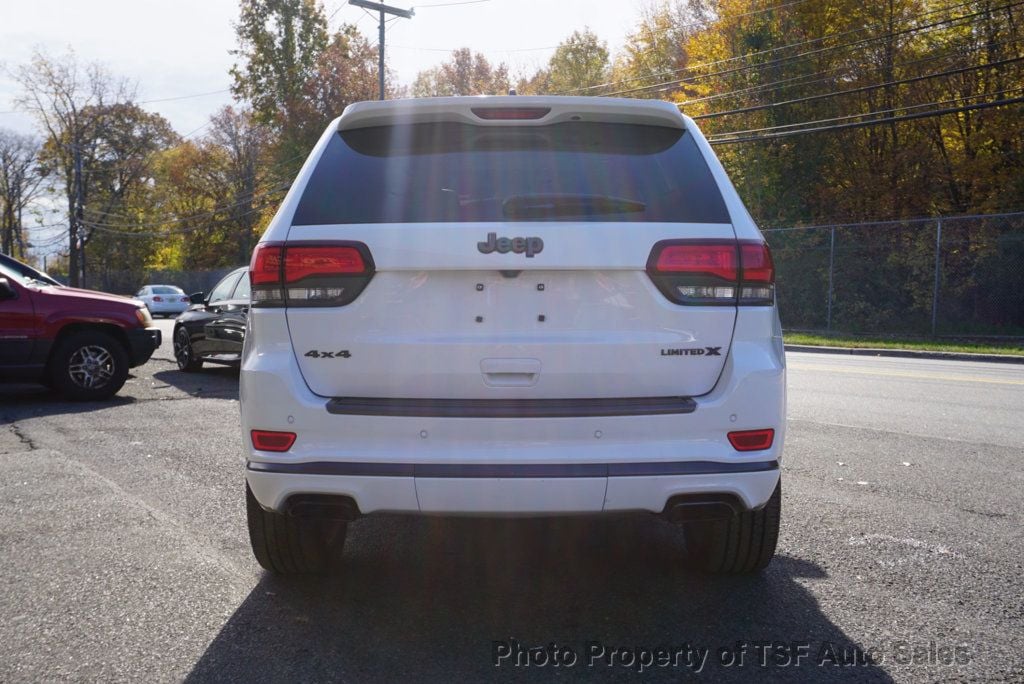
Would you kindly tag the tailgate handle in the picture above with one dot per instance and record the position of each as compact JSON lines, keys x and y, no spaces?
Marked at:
{"x":510,"y":372}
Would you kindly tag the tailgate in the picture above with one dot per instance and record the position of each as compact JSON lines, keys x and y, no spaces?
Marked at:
{"x":441,"y":319}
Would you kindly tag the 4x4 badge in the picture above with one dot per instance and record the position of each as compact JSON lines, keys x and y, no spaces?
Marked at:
{"x":504,"y":245}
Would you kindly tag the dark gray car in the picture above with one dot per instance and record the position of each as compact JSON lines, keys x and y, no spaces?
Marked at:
{"x":213,"y":328}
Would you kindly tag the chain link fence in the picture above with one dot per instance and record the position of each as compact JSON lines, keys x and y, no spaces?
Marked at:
{"x":130,"y":282}
{"x":957,"y":276}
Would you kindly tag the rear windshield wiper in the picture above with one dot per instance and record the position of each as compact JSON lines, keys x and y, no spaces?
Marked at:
{"x":543,"y":206}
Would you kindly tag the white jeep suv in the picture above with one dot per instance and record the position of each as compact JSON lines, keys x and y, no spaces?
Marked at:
{"x":513,"y":306}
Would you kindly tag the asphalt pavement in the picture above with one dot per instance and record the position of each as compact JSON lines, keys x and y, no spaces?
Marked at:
{"x":124,"y":553}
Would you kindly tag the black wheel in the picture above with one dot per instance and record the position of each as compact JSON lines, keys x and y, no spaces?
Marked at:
{"x":744,"y":544}
{"x":287,"y":546}
{"x":88,"y":365}
{"x":183,"y":352}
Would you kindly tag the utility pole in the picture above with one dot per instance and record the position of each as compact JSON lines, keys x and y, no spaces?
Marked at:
{"x":79,"y":218}
{"x":75,"y":216}
{"x":383,"y":9}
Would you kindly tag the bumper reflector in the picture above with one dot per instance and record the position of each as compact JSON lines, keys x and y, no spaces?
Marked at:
{"x":752,"y":440}
{"x":268,"y":440}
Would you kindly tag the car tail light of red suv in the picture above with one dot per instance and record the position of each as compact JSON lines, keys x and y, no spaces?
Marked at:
{"x":309,"y":273}
{"x":713,"y":272}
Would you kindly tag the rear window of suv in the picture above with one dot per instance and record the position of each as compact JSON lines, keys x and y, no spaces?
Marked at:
{"x":452,"y":172}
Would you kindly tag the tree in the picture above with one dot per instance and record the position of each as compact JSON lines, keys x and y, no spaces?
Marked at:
{"x":345,"y":72}
{"x":65,"y":96}
{"x":243,"y":143}
{"x":464,"y":73}
{"x":280,"y":45}
{"x":755,"y":71}
{"x":117,"y":173}
{"x":579,"y":62}
{"x":186,"y":204}
{"x":211,"y":196}
{"x":21,"y":181}
{"x":656,"y":50}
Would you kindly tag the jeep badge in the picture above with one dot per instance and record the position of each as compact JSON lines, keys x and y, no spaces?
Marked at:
{"x":504,"y":245}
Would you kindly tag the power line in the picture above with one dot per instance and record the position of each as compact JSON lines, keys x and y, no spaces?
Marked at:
{"x":791,"y":81}
{"x":553,"y":47}
{"x":862,"y":89}
{"x":451,"y":4}
{"x":762,"y":52}
{"x":216,"y":209}
{"x":874,"y":122}
{"x":488,"y":51}
{"x":186,"y":97}
{"x":129,"y":221}
{"x":337,"y":9}
{"x":878,"y":112}
{"x":50,"y":241}
{"x":180,"y":231}
{"x":925,"y":28}
{"x":159,"y":99}
{"x":759,"y":53}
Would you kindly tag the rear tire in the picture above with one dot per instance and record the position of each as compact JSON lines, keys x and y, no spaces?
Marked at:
{"x":88,"y":365}
{"x":285,"y":545}
{"x":184,"y":355}
{"x":741,"y":545}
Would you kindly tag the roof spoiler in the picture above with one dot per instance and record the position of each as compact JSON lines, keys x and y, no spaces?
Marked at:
{"x":475,"y":111}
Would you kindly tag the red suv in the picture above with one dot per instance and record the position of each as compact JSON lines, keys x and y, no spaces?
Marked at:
{"x":79,"y":342}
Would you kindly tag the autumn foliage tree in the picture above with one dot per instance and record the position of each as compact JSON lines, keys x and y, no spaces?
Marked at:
{"x":464,"y":73}
{"x":280,"y":43}
{"x":21,"y":182}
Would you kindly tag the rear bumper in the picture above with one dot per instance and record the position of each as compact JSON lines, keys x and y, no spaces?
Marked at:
{"x":142,"y":342}
{"x":527,"y":494}
{"x":438,"y":461}
{"x":168,"y":307}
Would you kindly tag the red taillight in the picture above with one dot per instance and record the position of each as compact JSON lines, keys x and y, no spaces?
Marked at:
{"x":757,"y":263}
{"x":309,"y":274}
{"x":758,"y":286}
{"x":185,"y":299}
{"x":306,"y":262}
{"x":752,"y":440}
{"x":265,"y":275}
{"x":269,"y":440}
{"x":157,"y":298}
{"x":265,"y":267}
{"x":718,"y":260}
{"x":511,"y":113}
{"x":713,"y":272}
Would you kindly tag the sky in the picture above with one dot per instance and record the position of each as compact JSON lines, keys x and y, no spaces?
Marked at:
{"x":180,"y":48}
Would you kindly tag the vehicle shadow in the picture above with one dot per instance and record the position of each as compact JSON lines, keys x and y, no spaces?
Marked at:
{"x":18,"y":400}
{"x":216,"y":382}
{"x":426,"y":600}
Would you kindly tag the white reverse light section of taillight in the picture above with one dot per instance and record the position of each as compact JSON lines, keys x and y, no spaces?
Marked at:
{"x":706,"y":291}
{"x":713,"y":272}
{"x":315,"y":293}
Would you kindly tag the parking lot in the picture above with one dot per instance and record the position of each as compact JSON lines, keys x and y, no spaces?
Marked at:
{"x":124,"y":553}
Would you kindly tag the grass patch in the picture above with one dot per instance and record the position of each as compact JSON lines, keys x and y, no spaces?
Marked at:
{"x":1009,"y":348}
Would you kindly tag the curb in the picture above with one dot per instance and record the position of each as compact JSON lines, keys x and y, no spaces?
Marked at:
{"x":906,"y":353}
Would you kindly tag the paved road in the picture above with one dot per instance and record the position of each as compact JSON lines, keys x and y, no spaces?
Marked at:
{"x":123,"y":550}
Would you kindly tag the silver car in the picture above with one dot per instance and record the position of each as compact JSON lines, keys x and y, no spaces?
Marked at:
{"x":163,"y":300}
